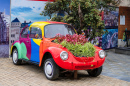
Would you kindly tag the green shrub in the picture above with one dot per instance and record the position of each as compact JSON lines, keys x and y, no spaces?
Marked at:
{"x":77,"y":45}
{"x":78,"y":50}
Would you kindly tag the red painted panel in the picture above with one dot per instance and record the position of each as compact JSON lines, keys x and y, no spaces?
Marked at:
{"x":43,"y":0}
{"x":54,"y":22}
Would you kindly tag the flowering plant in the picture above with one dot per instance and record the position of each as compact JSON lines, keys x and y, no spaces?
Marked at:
{"x":78,"y":45}
{"x":72,"y":39}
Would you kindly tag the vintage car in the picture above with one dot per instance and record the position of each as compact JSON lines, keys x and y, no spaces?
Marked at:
{"x":36,"y":45}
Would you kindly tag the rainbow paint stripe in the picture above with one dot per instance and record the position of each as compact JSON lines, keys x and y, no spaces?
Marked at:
{"x":29,"y":47}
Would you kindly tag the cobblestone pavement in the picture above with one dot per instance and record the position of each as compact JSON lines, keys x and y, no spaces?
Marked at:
{"x":117,"y":66}
{"x":31,"y":75}
{"x":4,"y":50}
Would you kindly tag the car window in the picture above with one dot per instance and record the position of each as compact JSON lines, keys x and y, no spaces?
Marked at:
{"x":52,"y":30}
{"x":24,"y":33}
{"x":35,"y":33}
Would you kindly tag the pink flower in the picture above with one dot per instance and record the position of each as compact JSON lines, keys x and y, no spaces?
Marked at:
{"x":73,"y":39}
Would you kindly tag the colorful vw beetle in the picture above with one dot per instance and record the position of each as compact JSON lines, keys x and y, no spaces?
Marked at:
{"x":36,"y":44}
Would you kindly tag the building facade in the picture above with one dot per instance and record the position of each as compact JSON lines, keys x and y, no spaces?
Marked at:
{"x":15,"y":30}
{"x":24,"y":24}
{"x":125,"y":3}
{"x":124,"y":10}
{"x":4,"y":28}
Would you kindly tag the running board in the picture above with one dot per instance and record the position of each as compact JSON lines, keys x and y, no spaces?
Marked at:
{"x":31,"y":62}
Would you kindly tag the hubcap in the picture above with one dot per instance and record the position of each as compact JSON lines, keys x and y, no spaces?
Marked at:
{"x":15,"y":56}
{"x":48,"y":69}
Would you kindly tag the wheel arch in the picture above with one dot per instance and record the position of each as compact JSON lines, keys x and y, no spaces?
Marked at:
{"x":45,"y":56}
{"x":55,"y":54}
{"x":18,"y":47}
{"x":12,"y":49}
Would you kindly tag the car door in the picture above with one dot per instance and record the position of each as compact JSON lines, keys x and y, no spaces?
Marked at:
{"x":35,"y":37}
{"x":25,"y":43}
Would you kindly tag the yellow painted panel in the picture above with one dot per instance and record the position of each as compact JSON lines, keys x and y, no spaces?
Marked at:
{"x":39,"y":25}
{"x":11,"y":49}
{"x":37,"y":41}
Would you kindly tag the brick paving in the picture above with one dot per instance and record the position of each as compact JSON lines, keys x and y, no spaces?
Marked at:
{"x":31,"y":75}
{"x":117,"y":66}
{"x":4,"y":50}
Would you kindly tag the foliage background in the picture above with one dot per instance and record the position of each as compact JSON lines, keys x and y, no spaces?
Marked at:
{"x":82,"y":14}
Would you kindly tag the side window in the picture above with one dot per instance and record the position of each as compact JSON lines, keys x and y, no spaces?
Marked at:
{"x":24,"y":33}
{"x":35,"y":33}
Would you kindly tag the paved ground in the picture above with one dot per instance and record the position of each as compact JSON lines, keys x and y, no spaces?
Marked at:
{"x":4,"y":50}
{"x":31,"y":75}
{"x":117,"y":66}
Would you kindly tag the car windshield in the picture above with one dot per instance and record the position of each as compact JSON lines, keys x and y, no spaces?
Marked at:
{"x":52,"y":30}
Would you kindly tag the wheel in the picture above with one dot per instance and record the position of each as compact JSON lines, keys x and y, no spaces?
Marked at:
{"x":51,"y":69}
{"x":96,"y":72}
{"x":15,"y":59}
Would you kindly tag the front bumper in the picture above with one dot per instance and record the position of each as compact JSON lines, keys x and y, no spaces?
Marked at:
{"x":77,"y":65}
{"x":87,"y":65}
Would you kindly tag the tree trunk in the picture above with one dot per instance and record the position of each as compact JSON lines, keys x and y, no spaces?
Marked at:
{"x":80,"y":19}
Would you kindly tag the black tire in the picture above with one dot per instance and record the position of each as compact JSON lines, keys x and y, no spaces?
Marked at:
{"x":96,"y":72}
{"x":51,"y":69}
{"x":15,"y":59}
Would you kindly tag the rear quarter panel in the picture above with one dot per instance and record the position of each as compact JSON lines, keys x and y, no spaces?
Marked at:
{"x":22,"y":51}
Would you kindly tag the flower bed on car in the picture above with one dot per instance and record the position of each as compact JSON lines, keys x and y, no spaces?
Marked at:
{"x":78,"y":45}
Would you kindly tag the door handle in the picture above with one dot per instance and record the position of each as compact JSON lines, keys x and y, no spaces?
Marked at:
{"x":27,"y":41}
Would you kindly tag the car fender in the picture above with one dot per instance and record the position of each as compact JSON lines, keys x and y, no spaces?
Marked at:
{"x":18,"y":46}
{"x":55,"y":52}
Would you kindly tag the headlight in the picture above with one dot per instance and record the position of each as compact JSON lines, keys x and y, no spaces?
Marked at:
{"x":64,"y":55}
{"x":102,"y":54}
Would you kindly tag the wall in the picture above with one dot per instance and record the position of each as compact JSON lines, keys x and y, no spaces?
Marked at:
{"x":121,"y":28}
{"x":110,"y":39}
{"x":4,"y":27}
{"x":125,"y":3}
{"x":23,"y":13}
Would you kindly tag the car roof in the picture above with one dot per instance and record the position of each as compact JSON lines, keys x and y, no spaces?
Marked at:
{"x":42,"y":23}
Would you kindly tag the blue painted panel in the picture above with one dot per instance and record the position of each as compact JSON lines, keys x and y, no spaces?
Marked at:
{"x":29,"y":24}
{"x":110,"y":40}
{"x":34,"y":51}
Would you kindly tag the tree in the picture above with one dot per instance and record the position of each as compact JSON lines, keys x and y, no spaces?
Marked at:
{"x":82,"y":14}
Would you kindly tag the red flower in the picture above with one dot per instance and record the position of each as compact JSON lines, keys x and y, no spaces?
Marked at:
{"x":73,"y":39}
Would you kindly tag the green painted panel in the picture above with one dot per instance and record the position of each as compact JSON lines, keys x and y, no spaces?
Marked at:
{"x":22,"y":50}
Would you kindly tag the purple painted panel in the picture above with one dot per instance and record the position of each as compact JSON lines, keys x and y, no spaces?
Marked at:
{"x":27,"y":43}
{"x":15,"y":42}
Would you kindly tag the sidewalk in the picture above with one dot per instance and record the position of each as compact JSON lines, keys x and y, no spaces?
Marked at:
{"x":117,"y":66}
{"x":31,"y":75}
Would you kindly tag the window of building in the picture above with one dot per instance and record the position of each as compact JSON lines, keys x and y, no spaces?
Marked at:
{"x":12,"y":35}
